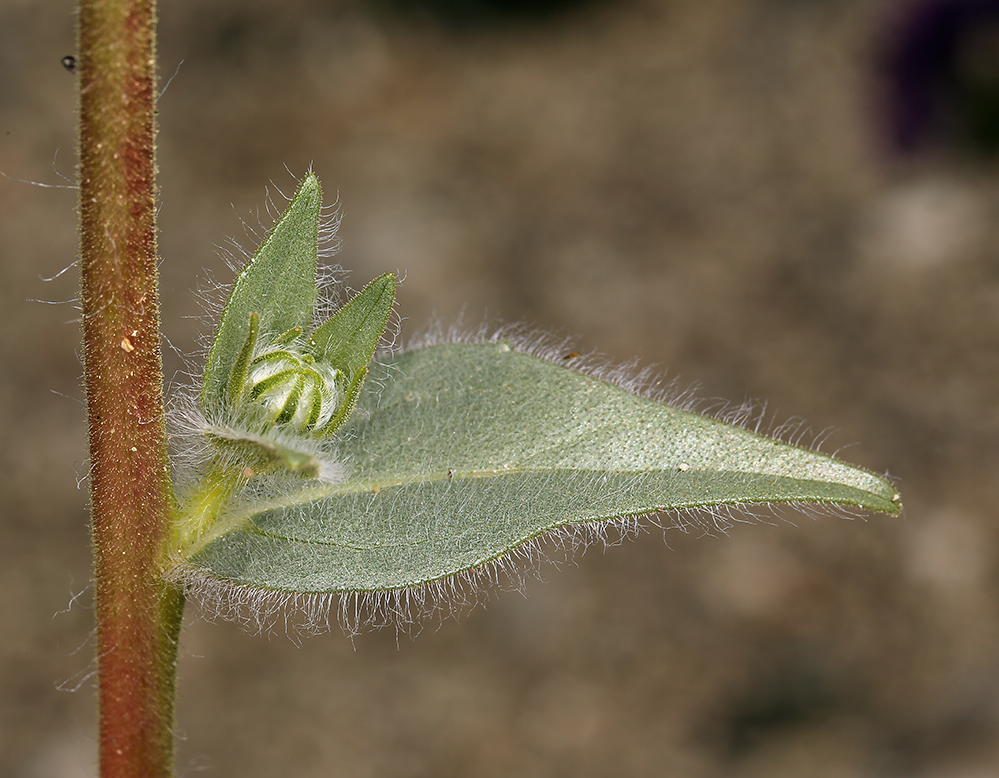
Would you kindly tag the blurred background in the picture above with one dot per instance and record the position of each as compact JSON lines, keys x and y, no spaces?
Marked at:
{"x":788,"y":201}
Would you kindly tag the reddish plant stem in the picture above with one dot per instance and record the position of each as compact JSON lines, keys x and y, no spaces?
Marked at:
{"x":138,"y":613}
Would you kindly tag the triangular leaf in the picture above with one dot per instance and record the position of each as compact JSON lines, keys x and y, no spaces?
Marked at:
{"x":350,"y":338}
{"x":463,"y":452}
{"x":278,"y":284}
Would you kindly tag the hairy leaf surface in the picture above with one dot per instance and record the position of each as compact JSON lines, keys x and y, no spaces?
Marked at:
{"x":460,"y":453}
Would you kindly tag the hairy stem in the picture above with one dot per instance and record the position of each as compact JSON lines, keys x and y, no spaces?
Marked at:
{"x":138,"y":613}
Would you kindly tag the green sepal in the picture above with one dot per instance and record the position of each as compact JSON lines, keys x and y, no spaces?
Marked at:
{"x":278,"y":284}
{"x":237,"y":378}
{"x":349,"y":339}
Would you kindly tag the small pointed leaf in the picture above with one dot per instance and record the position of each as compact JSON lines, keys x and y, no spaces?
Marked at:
{"x":463,"y":452}
{"x":350,"y":338}
{"x":278,"y":284}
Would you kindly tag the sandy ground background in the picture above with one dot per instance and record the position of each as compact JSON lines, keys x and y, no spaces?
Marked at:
{"x":697,"y":183}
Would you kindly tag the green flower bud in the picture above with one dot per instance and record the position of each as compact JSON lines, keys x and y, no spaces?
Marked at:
{"x":297,"y":392}
{"x":275,"y":388}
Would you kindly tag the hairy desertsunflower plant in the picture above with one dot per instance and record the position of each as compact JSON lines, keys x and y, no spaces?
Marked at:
{"x":459,"y":459}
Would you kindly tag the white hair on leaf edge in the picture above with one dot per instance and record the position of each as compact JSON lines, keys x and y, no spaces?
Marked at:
{"x":408,"y":609}
{"x":647,"y":382}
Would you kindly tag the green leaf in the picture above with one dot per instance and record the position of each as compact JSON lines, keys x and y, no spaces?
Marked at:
{"x":278,"y":284}
{"x":349,"y":339}
{"x":462,"y":452}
